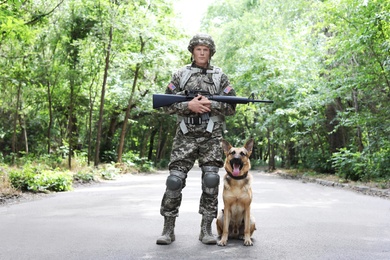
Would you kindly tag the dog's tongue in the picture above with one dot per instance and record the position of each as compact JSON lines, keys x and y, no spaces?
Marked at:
{"x":236,"y":169}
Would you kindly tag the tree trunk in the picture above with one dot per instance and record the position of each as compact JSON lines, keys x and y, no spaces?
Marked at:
{"x":271,"y":152}
{"x":161,"y":143}
{"x":90,"y":116}
{"x":15,"y":122}
{"x":358,"y":130}
{"x":50,"y":107}
{"x":336,"y":137}
{"x":89,"y":140}
{"x":70,"y":122}
{"x":100,"y":122}
{"x":151,"y":143}
{"x":271,"y":162}
{"x":145,"y":137}
{"x":292,"y":158}
{"x":24,"y":128}
{"x":107,"y":144}
{"x":127,"y":116}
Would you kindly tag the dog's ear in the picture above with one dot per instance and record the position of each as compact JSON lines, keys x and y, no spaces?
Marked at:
{"x":226,"y":146}
{"x":249,"y":146}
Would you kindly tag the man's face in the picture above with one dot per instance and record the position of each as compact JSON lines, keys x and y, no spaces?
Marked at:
{"x":201,"y":55}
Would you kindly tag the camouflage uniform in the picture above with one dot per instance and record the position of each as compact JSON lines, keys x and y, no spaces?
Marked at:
{"x":198,"y":143}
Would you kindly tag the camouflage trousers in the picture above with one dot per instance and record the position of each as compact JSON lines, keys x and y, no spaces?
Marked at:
{"x":208,"y":205}
{"x":195,"y":145}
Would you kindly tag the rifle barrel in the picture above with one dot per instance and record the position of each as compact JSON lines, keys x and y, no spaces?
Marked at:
{"x":238,"y":100}
{"x":161,"y":100}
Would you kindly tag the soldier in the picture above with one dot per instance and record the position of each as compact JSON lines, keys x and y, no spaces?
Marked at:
{"x":198,"y":137}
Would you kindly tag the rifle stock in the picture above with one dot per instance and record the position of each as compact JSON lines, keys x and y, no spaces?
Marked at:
{"x":162,"y":100}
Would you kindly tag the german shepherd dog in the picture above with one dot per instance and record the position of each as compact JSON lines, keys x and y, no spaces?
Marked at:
{"x":235,"y":220}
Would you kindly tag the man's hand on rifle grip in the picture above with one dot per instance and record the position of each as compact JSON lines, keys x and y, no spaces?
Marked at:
{"x":200,"y":104}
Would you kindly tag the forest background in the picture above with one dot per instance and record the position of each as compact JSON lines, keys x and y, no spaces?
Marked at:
{"x":77,"y":79}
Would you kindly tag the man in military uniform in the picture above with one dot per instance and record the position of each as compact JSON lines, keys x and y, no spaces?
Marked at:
{"x":198,"y":137}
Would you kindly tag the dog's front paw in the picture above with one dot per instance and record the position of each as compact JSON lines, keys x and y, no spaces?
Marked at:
{"x":222,"y":242}
{"x":248,"y":242}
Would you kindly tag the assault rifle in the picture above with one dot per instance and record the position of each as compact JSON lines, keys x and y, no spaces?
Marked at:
{"x":162,"y":100}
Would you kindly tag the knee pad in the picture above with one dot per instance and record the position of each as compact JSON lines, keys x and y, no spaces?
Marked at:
{"x":210,"y":169}
{"x":175,"y":183}
{"x":210,"y":181}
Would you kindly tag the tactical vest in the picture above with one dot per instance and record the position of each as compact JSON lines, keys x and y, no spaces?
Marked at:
{"x":216,"y":77}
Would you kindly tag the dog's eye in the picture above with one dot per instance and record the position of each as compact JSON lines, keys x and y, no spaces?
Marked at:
{"x":243,"y":154}
{"x":233,"y":153}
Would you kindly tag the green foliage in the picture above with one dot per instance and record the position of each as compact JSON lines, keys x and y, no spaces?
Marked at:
{"x":142,"y":164}
{"x":349,"y":165}
{"x":324,"y":63}
{"x":66,"y":48}
{"x":6,"y":188}
{"x":162,"y":164}
{"x":256,"y":164}
{"x":363,"y":166}
{"x":84,"y":177}
{"x":316,"y":161}
{"x":50,"y":161}
{"x":379,"y":165}
{"x":109,"y":171}
{"x":39,"y":179}
{"x":109,"y":175}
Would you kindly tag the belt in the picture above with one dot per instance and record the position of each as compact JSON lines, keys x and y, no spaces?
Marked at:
{"x":198,"y":121}
{"x":193,"y":120}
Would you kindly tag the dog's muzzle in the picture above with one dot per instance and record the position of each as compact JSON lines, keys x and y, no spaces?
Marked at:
{"x":236,"y":164}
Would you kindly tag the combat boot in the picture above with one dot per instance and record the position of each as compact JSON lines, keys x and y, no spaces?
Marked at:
{"x":168,"y":234}
{"x":206,"y":236}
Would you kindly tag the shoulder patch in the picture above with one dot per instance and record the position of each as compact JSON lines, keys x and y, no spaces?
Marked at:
{"x":227,"y":89}
{"x":171,"y":86}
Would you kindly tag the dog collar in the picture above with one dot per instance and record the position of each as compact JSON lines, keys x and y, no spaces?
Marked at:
{"x":238,"y":177}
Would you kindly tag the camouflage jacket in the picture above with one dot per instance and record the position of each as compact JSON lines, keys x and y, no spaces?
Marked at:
{"x":201,"y":79}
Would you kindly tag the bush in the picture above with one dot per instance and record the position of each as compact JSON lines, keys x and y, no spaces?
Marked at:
{"x":163,"y":164}
{"x":51,"y":161}
{"x":349,"y":165}
{"x":32,"y":178}
{"x":84,"y":177}
{"x":316,"y":161}
{"x":6,"y":188}
{"x":363,"y":166}
{"x":379,"y":165}
{"x":255,"y":164}
{"x":109,"y":172}
{"x":143,"y":164}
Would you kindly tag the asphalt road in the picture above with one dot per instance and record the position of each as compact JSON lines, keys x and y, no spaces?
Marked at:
{"x":120,"y":220}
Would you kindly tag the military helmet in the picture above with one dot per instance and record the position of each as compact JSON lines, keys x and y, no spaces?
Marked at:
{"x":202,"y":39}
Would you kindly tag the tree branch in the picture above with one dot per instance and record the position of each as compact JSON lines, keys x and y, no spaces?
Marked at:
{"x":43,"y":15}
